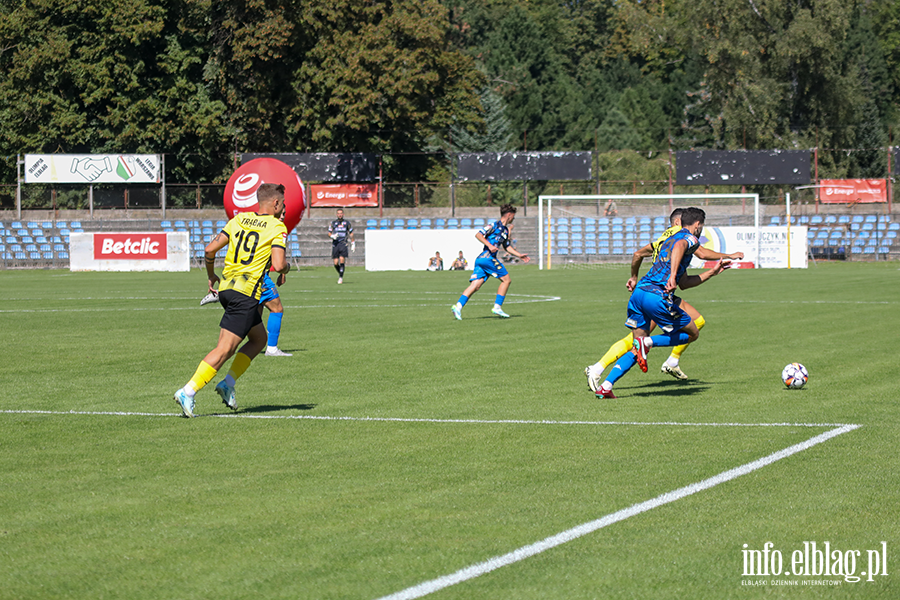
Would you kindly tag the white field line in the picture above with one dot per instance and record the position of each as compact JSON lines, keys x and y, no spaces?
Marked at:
{"x":492,"y":564}
{"x":420,"y":420}
{"x":408,"y":300}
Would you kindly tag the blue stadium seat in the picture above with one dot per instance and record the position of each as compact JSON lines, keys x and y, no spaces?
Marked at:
{"x":425,"y":223}
{"x":868,"y":226}
{"x":452,"y":224}
{"x":479,"y":223}
{"x":221,"y":224}
{"x":399,"y":224}
{"x":32,"y":225}
{"x":47,"y":256}
{"x":871,"y":219}
{"x":15,"y":225}
{"x":412,"y":224}
{"x":206,"y":224}
{"x":62,"y":225}
{"x":857,"y":219}
{"x":816,"y":220}
{"x":575,"y":221}
{"x":562,"y":221}
{"x":384,"y":224}
{"x":75,"y":225}
{"x":804,"y":220}
{"x":440,"y":223}
{"x":165,"y":224}
{"x":372,"y":224}
{"x":465,"y":223}
{"x":775,"y":221}
{"x":46,"y":225}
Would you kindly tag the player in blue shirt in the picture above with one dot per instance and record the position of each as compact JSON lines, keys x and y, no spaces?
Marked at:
{"x":653,"y":299}
{"x":494,"y":236}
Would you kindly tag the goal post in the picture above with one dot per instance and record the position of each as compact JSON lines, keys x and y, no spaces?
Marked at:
{"x":610,"y":227}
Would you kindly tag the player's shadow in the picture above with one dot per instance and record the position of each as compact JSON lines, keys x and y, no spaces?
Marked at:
{"x":670,"y":388}
{"x":265,"y":408}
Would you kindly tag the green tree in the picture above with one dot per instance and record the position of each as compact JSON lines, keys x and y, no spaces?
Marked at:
{"x":91,"y":77}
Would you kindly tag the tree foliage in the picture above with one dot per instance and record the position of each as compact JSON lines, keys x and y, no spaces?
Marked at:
{"x":201,"y":79}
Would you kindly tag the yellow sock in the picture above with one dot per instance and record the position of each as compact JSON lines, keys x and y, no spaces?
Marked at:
{"x":204,"y":375}
{"x":239,"y":365}
{"x":617,"y":350}
{"x":677,"y":350}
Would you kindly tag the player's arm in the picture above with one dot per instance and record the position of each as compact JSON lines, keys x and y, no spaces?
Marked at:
{"x":279,"y":261}
{"x":637,"y":260}
{"x":212,"y":248}
{"x":689,"y":281}
{"x":707,"y":254}
{"x":480,"y":237}
{"x":512,"y":250}
{"x":678,"y":251}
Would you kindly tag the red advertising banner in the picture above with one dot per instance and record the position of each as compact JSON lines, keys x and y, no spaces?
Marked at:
{"x":852,"y":191}
{"x":130,"y":246}
{"x":344,"y":194}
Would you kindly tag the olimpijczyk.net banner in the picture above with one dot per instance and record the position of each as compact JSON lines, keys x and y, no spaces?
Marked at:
{"x":92,"y":168}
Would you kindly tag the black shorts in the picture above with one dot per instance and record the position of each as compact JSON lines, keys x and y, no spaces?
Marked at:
{"x":339,"y":249}
{"x":241,"y":313}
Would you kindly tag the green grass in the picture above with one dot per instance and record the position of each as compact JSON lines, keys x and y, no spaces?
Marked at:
{"x":423,"y":445}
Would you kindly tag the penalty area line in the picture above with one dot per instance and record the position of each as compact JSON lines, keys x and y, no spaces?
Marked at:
{"x":497,"y":562}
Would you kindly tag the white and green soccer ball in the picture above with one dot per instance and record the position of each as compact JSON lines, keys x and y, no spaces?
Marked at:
{"x":795,"y":376}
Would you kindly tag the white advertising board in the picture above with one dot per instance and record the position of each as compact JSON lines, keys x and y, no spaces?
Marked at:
{"x":92,"y":168}
{"x":131,"y":251}
{"x":410,"y":249}
{"x":773,"y":245}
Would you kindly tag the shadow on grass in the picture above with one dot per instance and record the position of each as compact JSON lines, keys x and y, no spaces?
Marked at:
{"x":669,"y":388}
{"x":265,"y":408}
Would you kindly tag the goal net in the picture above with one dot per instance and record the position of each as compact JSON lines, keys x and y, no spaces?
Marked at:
{"x":601,"y":229}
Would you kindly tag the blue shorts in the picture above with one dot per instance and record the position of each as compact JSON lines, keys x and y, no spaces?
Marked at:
{"x":269,"y":291}
{"x":666,"y":312}
{"x":489,"y":266}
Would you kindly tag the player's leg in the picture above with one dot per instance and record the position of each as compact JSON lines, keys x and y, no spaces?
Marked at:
{"x":256,"y":343}
{"x":505,"y":280}
{"x":640,"y":324}
{"x":671,"y":365}
{"x":615,"y":352}
{"x":206,"y":371}
{"x":621,"y":366}
{"x":273,"y":326}
{"x":479,"y":276}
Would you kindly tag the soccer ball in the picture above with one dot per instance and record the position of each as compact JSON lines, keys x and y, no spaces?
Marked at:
{"x":795,"y":376}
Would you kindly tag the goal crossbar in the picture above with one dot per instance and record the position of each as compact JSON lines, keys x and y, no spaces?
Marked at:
{"x":544,"y":232}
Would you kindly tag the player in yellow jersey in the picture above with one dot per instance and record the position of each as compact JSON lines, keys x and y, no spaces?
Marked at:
{"x":256,"y":242}
{"x":624,"y":345}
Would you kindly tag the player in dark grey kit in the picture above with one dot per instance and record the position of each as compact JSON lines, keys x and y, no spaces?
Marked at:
{"x":339,"y":230}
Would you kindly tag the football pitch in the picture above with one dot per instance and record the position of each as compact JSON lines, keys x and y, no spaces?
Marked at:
{"x":400,"y":453}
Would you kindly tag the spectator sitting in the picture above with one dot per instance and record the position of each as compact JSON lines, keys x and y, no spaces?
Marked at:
{"x":460,"y":263}
{"x":436,"y":263}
